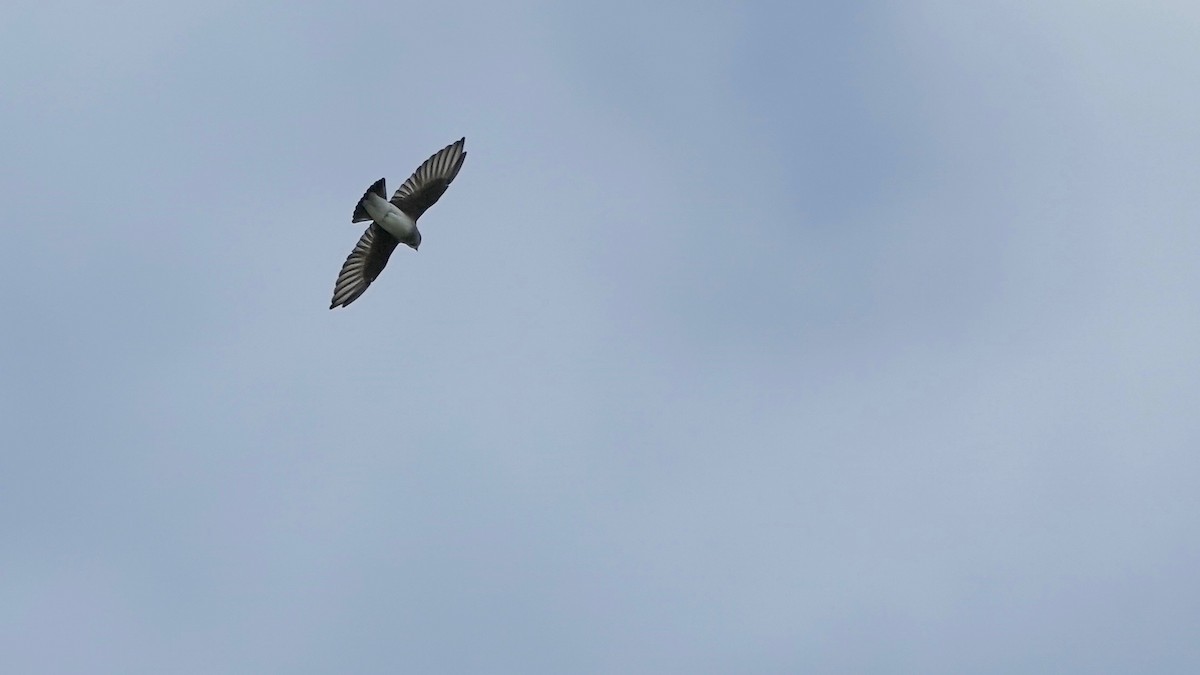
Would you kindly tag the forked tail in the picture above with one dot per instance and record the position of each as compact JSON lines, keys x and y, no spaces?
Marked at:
{"x":360,"y":211}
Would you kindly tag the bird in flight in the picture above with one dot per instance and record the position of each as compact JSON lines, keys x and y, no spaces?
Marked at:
{"x":395,"y":221}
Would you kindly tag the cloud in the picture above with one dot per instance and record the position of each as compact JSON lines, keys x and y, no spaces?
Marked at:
{"x":779,"y":338}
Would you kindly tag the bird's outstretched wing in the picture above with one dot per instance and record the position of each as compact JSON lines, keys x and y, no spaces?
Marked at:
{"x":430,"y":180}
{"x":365,"y":262}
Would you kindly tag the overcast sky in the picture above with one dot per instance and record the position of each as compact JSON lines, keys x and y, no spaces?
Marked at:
{"x":855,"y":337}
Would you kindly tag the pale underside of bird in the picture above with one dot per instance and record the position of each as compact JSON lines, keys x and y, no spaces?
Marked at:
{"x":394,"y":221}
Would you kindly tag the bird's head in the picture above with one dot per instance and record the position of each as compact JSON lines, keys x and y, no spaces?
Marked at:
{"x":415,"y":240}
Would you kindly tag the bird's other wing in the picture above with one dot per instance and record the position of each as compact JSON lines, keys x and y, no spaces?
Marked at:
{"x":430,"y":180}
{"x":365,"y":262}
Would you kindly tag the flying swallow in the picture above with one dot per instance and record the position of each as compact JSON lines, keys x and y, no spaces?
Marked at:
{"x":394,"y":221}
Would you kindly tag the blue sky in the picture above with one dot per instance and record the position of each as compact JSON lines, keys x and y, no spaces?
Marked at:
{"x":768,"y":337}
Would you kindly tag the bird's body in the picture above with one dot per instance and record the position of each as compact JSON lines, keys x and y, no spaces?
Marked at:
{"x":394,"y":221}
{"x":388,"y":216}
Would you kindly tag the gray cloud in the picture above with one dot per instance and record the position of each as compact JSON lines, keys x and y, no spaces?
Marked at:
{"x":768,"y":339}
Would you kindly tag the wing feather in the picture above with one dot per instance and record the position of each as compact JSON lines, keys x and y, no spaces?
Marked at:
{"x":429,"y":182}
{"x":363,"y":265}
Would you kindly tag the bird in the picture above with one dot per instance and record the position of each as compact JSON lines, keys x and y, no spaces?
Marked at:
{"x":394,"y":221}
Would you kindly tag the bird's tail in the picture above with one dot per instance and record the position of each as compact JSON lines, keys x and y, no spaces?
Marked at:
{"x":360,"y":211}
